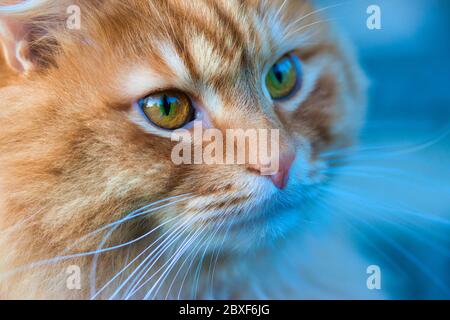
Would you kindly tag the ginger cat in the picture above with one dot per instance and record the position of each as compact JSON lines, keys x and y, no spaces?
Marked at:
{"x":87,"y":184}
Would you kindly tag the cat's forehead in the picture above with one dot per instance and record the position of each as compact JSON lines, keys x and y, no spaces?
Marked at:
{"x":214,"y":37}
{"x":210,"y":41}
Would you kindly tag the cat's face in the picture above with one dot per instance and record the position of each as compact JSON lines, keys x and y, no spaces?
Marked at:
{"x":76,"y":151}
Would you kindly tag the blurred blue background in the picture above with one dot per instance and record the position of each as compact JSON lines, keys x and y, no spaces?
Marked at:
{"x":408,"y":65}
{"x":408,"y":59}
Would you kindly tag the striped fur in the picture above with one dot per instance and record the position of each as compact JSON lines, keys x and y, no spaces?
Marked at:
{"x":73,"y":160}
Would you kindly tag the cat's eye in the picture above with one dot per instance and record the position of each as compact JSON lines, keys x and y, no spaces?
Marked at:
{"x":284,"y":76}
{"x":168,"y":110}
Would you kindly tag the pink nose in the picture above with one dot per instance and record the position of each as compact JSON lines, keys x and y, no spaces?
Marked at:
{"x":281,"y":178}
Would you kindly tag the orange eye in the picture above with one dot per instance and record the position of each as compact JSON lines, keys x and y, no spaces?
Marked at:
{"x":169,"y":110}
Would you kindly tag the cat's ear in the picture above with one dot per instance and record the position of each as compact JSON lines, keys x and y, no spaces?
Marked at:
{"x":15,"y":45}
{"x":27,"y":28}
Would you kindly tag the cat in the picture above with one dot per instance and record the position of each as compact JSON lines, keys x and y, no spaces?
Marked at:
{"x":87,"y":185}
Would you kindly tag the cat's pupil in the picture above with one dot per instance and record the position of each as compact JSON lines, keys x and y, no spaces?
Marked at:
{"x":278,"y":74}
{"x":165,"y":105}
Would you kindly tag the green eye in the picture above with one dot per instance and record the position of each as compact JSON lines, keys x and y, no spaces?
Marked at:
{"x":169,"y":110}
{"x":282,"y":78}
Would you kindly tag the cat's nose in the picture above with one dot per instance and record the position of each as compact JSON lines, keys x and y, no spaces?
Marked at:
{"x":281,"y":178}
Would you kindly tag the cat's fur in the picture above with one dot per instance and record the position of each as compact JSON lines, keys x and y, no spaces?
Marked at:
{"x":74,"y":160}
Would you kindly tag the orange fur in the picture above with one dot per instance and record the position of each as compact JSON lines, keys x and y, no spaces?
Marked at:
{"x":72,"y":161}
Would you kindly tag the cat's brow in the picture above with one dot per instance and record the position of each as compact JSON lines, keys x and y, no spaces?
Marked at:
{"x":136,"y":81}
{"x":209,"y":62}
{"x":139,"y":79}
{"x":174,"y":62}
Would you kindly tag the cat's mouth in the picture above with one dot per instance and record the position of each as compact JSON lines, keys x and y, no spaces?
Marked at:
{"x":277,"y":211}
{"x":253,"y":209}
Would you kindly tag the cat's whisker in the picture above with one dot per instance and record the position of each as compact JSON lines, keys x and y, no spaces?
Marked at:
{"x":148,"y":268}
{"x":350,"y":222}
{"x":213,"y":269}
{"x":153,"y":257}
{"x":345,"y":168}
{"x":407,"y":226}
{"x":101,"y":250}
{"x":409,"y":256}
{"x":390,"y":213}
{"x":117,"y":223}
{"x":20,"y":224}
{"x":174,"y":231}
{"x":314,"y":12}
{"x":170,"y":265}
{"x":140,"y":212}
{"x":192,"y":253}
{"x":172,"y":260}
{"x":200,"y":263}
{"x":302,"y":28}
{"x":143,"y":211}
{"x":383,"y":214}
{"x":397,"y":178}
{"x":66,"y":257}
{"x":180,"y":289}
{"x":423,"y":237}
{"x":169,"y":290}
{"x":168,"y":238}
{"x":397,"y":210}
{"x":387,"y":150}
{"x":277,"y":15}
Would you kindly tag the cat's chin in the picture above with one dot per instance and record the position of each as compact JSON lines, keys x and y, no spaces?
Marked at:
{"x":265,"y":231}
{"x":270,"y":222}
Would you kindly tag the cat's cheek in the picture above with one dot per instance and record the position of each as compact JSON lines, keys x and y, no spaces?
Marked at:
{"x":2,"y":202}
